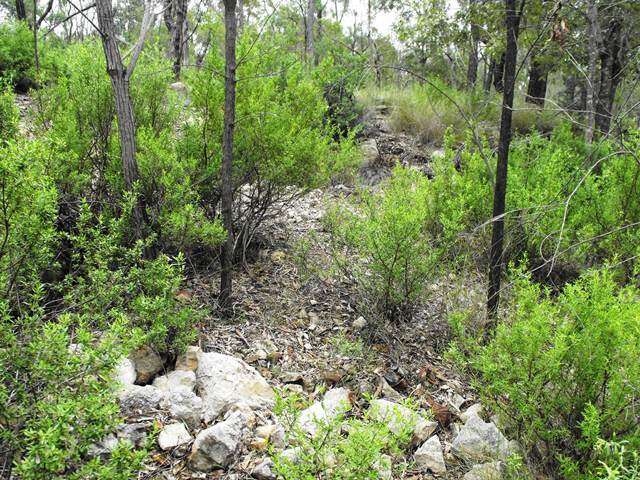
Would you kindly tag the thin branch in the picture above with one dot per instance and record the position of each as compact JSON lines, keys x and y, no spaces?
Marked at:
{"x":147,"y":20}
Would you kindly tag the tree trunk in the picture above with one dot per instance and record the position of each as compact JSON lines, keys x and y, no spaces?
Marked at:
{"x":240,"y":14}
{"x":472,"y":67}
{"x":498,"y":73}
{"x":592,"y":17}
{"x":124,"y":108}
{"x":178,"y":38}
{"x":614,"y":48}
{"x":500,"y":190}
{"x":488,"y":75}
{"x":537,"y":86}
{"x":226,"y":177}
{"x":21,"y":11}
{"x":309,"y":21}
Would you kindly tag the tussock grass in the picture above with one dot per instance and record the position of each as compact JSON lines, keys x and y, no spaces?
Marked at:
{"x":427,"y":111}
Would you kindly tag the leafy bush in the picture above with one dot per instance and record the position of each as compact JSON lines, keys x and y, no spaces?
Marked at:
{"x":16,"y":54}
{"x":27,"y":212}
{"x":563,"y":372}
{"x":119,"y":281}
{"x":57,"y":400}
{"x":389,"y":234}
{"x":282,"y":145}
{"x":8,"y":115}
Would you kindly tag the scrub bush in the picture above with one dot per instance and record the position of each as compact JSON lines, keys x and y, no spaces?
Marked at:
{"x":8,"y":115}
{"x":562,"y":372}
{"x":388,"y":242}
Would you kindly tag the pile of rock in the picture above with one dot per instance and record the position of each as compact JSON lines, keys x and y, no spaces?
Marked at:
{"x":216,"y":409}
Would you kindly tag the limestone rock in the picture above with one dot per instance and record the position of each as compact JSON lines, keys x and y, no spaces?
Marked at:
{"x":485,"y":471}
{"x":335,"y":402}
{"x":189,"y":359}
{"x":183,"y":404}
{"x":223,"y":381}
{"x":400,"y":419}
{"x":473,"y":410}
{"x":383,"y":467}
{"x":479,"y":441}
{"x":104,"y":447}
{"x":217,"y":445}
{"x":359,"y":323}
{"x":173,"y":435}
{"x":369,"y":151}
{"x":264,"y":470}
{"x":272,"y":433}
{"x":176,"y":379}
{"x":147,"y":363}
{"x":138,"y":400}
{"x":429,"y":456}
{"x":125,"y":372}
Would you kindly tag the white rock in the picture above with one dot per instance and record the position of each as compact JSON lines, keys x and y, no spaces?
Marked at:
{"x":473,"y":411}
{"x":173,"y":435}
{"x":437,"y":154}
{"x":223,"y":381}
{"x":429,"y":456}
{"x":479,"y":441}
{"x":217,"y":445}
{"x":383,"y":467}
{"x":272,"y":433}
{"x":183,"y":404}
{"x":359,"y":323}
{"x":292,"y":455}
{"x":485,"y":471}
{"x":104,"y":447}
{"x":264,"y":470}
{"x":369,"y":150}
{"x":125,"y":372}
{"x":400,"y":419}
{"x":147,"y":363}
{"x":311,"y":419}
{"x":137,"y":400}
{"x":335,"y":402}
{"x":176,"y":379}
{"x":189,"y":359}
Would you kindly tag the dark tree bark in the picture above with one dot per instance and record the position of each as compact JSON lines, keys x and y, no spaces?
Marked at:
{"x":120,"y":77}
{"x":498,"y":73}
{"x":21,"y":11}
{"x":175,"y":19}
{"x":226,"y":173}
{"x":613,"y":51}
{"x":500,"y":190}
{"x":472,"y":67}
{"x":537,"y":86}
{"x":592,"y":18}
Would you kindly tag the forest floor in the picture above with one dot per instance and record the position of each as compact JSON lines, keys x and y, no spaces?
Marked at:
{"x":297,"y":321}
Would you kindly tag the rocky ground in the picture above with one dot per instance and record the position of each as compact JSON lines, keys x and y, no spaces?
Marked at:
{"x":298,"y":330}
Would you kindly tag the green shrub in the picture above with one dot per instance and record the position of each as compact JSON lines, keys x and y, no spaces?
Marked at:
{"x":57,"y":400}
{"x":16,"y":54}
{"x":118,"y":281}
{"x":8,"y":115}
{"x":389,"y":234}
{"x":282,"y":146}
{"x":28,"y":208}
{"x":563,"y":372}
